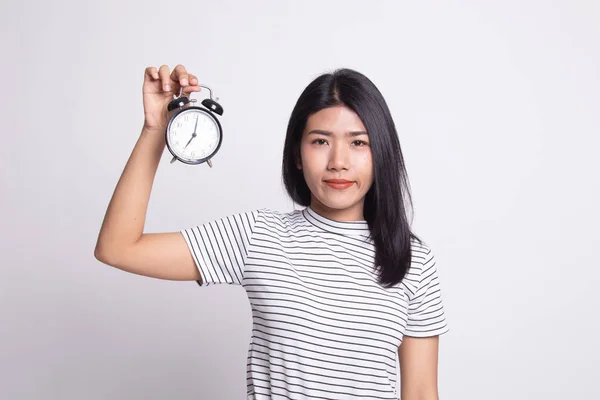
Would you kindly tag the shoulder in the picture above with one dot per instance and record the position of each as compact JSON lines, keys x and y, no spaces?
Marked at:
{"x":258,"y":217}
{"x":421,"y":254}
{"x":270,"y":216}
{"x":421,"y":260}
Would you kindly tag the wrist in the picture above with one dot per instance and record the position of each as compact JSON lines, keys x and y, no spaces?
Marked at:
{"x":153,"y":136}
{"x":153,"y":130}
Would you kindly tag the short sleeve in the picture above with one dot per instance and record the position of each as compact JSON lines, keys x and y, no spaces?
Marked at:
{"x":426,"y":315}
{"x":219,"y":248}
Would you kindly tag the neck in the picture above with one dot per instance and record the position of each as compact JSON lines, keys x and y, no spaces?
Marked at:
{"x":352,"y":213}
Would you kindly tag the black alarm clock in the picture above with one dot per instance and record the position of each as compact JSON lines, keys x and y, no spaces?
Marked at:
{"x":194,"y":133}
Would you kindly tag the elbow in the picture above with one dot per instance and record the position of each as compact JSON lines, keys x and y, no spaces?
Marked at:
{"x":103,"y":255}
{"x":99,"y":254}
{"x":113,"y":254}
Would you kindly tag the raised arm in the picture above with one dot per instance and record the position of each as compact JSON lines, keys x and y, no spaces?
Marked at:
{"x":122,"y":242}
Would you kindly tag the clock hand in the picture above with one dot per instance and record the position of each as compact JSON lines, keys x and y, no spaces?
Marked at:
{"x":193,"y":134}
{"x":196,"y":126}
{"x":189,"y":141}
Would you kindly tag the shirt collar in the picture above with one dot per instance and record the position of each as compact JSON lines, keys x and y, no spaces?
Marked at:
{"x":353,"y":228}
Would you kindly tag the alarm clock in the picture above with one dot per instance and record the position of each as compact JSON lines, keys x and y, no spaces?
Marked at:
{"x":194,"y":133}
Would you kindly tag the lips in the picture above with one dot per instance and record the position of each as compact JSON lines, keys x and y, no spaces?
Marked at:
{"x":339,"y":183}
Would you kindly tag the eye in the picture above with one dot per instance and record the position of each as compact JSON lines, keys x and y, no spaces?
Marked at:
{"x":319,"y":141}
{"x":360,"y":143}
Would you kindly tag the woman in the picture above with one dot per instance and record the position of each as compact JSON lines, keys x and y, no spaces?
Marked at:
{"x":338,"y":288}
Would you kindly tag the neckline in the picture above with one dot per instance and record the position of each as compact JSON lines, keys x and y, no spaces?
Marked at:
{"x":353,"y":228}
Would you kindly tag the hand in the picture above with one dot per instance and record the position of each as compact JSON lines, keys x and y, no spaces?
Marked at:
{"x":158,"y":90}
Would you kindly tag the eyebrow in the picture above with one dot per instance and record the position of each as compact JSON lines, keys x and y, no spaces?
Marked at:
{"x":328,"y":133}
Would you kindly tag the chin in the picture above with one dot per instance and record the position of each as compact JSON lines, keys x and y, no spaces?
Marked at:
{"x":338,"y":202}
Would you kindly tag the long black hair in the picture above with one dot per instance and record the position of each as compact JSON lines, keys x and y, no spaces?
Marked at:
{"x":384,"y":207}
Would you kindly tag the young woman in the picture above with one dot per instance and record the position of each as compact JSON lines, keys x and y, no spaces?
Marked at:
{"x":338,"y":288}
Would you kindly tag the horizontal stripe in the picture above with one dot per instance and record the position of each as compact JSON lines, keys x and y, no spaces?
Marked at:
{"x":323,"y":327}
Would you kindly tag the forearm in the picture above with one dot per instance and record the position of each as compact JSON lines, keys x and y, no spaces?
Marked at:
{"x":126,"y":213}
{"x":424,"y":395}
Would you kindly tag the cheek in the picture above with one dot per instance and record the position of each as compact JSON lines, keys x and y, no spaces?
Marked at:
{"x":312,"y":160}
{"x":366,"y":165}
{"x":367,"y":176}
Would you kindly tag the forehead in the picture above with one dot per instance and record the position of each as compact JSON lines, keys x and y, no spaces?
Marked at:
{"x":336,"y":119}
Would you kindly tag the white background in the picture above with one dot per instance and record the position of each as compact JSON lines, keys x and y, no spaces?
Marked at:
{"x":497,"y":106}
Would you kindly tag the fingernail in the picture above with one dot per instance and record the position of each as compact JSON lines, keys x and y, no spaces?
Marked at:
{"x":184,"y":81}
{"x":167,"y":87}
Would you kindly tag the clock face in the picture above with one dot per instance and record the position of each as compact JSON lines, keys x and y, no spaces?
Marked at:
{"x":193,"y":135}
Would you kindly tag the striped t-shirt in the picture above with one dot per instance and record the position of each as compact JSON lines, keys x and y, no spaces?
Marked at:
{"x":322,"y":327}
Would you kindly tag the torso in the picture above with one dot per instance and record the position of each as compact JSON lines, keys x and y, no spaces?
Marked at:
{"x":322,"y":325}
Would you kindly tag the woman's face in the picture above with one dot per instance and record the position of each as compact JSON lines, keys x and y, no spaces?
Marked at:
{"x":337,"y":163}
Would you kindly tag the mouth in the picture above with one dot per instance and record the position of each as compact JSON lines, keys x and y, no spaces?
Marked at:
{"x":339,"y":184}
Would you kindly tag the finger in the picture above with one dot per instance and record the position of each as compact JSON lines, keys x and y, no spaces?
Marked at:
{"x":190,"y":89}
{"x":193,"y":85}
{"x":166,"y":83}
{"x":151,"y":72}
{"x":180,"y":75}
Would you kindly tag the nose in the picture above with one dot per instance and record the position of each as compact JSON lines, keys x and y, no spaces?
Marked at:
{"x":338,"y":157}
